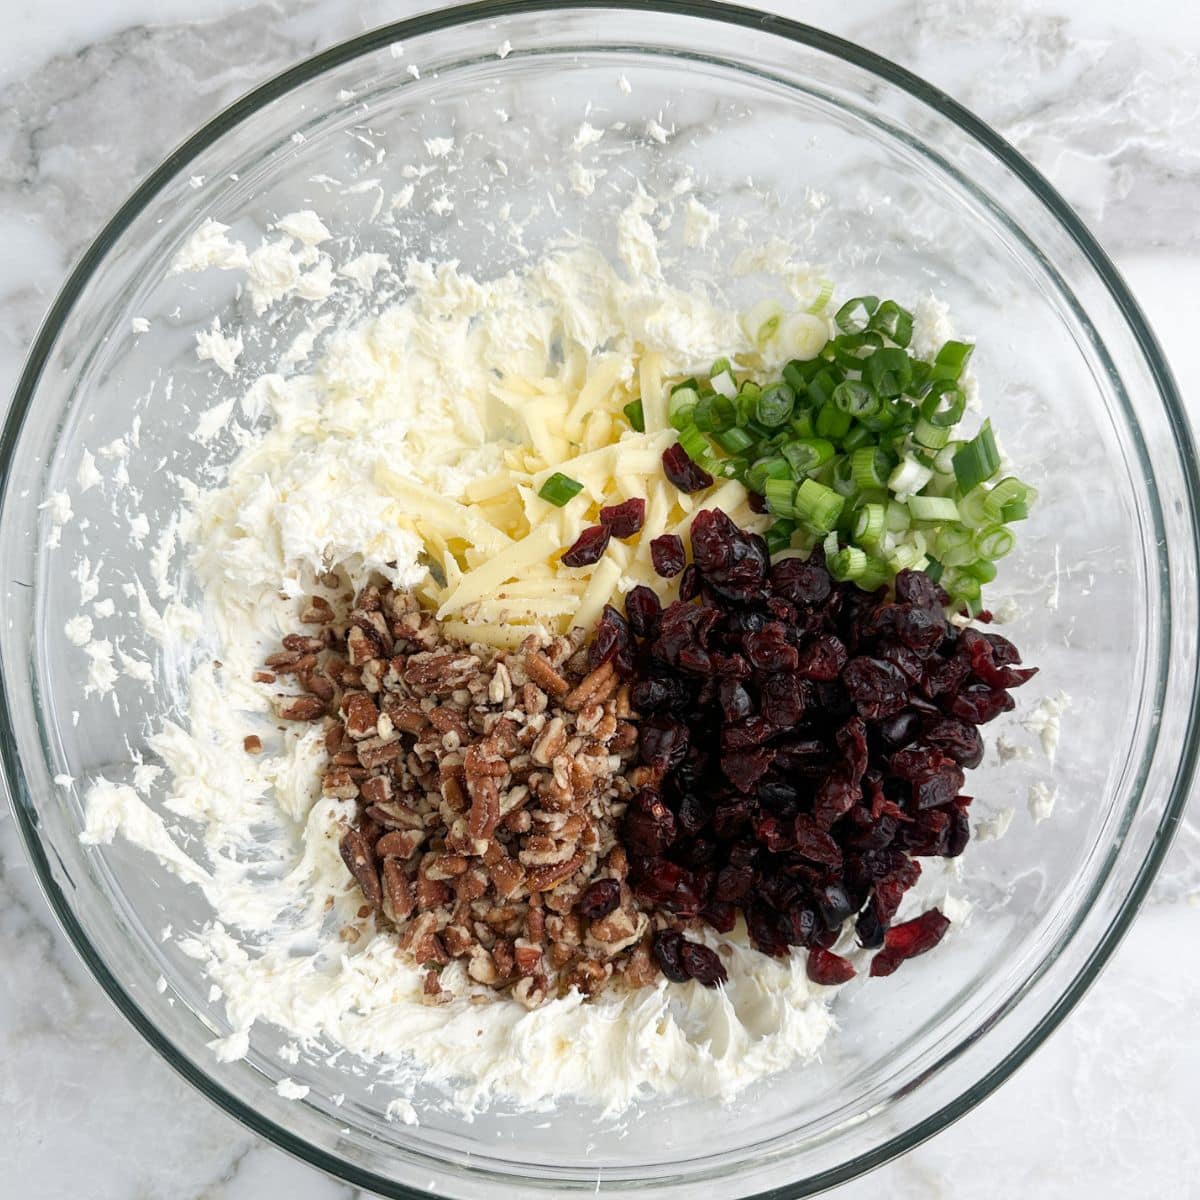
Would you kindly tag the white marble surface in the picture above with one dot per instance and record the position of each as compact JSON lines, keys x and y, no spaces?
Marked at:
{"x":1103,"y":94}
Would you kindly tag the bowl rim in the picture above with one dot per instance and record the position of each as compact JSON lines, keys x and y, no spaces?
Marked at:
{"x":436,"y":21}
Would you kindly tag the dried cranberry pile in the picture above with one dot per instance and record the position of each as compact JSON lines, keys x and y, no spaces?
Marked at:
{"x":803,"y":743}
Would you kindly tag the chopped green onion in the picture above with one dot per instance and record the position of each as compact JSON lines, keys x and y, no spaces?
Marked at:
{"x":871,"y":523}
{"x":952,"y":360}
{"x":820,"y":388}
{"x":972,"y":508}
{"x":817,"y":506}
{"x":779,"y":494}
{"x":932,"y":437}
{"x":944,"y":404}
{"x":560,"y":488}
{"x":859,"y":435}
{"x":851,"y":350}
{"x":823,"y":297}
{"x":933,"y":569}
{"x":806,"y":455}
{"x":695,"y":445}
{"x":733,"y":441}
{"x":797,"y":374}
{"x":898,"y":517}
{"x":714,"y":413}
{"x":802,"y":424}
{"x":775,"y":467}
{"x":906,"y":557}
{"x":994,"y":541}
{"x":1008,"y":490}
{"x":681,"y":405}
{"x":848,"y":563}
{"x":843,"y":477}
{"x":943,"y":463}
{"x":978,"y":460}
{"x":955,"y":546}
{"x":779,"y":535}
{"x":937,"y":509}
{"x":1014,"y":510}
{"x":775,"y":405}
{"x":894,"y":321}
{"x":870,"y":467}
{"x":875,"y":575}
{"x":908,"y":478}
{"x":855,"y":314}
{"x":832,"y":422}
{"x":888,"y":372}
{"x":856,"y":399}
{"x":635,"y":416}
{"x":981,"y":569}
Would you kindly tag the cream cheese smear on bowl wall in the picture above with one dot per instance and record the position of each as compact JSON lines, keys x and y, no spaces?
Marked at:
{"x":584,"y":668}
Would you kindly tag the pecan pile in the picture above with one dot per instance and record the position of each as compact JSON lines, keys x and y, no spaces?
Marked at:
{"x":490,"y":786}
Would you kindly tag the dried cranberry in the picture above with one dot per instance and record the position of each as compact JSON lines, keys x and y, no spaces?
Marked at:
{"x":663,"y":742}
{"x":735,"y":701}
{"x":667,"y":948}
{"x":667,"y":555}
{"x":744,"y":768}
{"x":813,"y":843}
{"x":877,"y":688}
{"x":908,"y":940}
{"x":612,"y":636}
{"x":648,"y":827}
{"x":732,"y":561}
{"x":834,"y":905}
{"x":757,"y":502}
{"x":767,"y":930}
{"x":684,"y":473}
{"x":828,"y":969}
{"x":915,"y":587}
{"x":869,"y":928}
{"x":659,"y":694}
{"x":770,"y":650}
{"x":899,"y":730}
{"x":661,"y":882}
{"x":693,"y":812}
{"x":733,"y":883}
{"x":822,"y":657}
{"x":689,"y":585}
{"x":939,"y":788}
{"x":642,"y":609}
{"x":624,"y":520}
{"x":702,"y":964}
{"x":836,"y":795}
{"x":589,"y":547}
{"x":800,"y":581}
{"x":851,"y":742}
{"x":721,"y":916}
{"x":598,"y":899}
{"x":959,"y":833}
{"x":978,"y":703}
{"x":783,"y":698}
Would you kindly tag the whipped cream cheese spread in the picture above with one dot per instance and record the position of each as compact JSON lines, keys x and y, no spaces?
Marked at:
{"x":410,"y":389}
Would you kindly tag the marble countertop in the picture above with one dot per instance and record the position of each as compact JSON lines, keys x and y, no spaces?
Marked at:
{"x":1103,"y":95}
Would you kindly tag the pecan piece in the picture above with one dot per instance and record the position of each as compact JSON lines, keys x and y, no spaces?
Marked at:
{"x":399,"y":843}
{"x":593,"y":688}
{"x":361,"y":715}
{"x":398,"y":889}
{"x":298,"y":708}
{"x":317,"y":611}
{"x":356,"y":854}
{"x":484,"y":815}
{"x":542,"y":879}
{"x":339,"y":783}
{"x":541,"y":672}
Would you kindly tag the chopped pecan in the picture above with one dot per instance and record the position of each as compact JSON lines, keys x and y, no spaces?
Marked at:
{"x":357,"y":855}
{"x":317,"y":611}
{"x":593,"y":689}
{"x":299,"y":708}
{"x":540,"y":672}
{"x":360,"y":715}
{"x":252,"y":744}
{"x":398,"y":890}
{"x":400,"y":843}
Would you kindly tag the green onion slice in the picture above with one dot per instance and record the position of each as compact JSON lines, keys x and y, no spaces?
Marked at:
{"x":560,"y":488}
{"x":635,"y":416}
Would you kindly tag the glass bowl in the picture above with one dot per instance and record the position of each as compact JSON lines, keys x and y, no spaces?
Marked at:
{"x":783,"y":131}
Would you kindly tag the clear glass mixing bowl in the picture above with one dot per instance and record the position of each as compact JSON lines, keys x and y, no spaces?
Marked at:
{"x":785,"y":131}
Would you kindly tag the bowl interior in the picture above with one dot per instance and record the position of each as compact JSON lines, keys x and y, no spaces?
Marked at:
{"x":790,"y":144}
